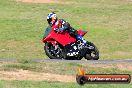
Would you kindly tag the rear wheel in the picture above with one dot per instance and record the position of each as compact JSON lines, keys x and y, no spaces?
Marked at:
{"x":53,"y":52}
{"x":92,"y":54}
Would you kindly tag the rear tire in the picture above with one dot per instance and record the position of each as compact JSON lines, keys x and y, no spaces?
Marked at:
{"x":95,"y":51}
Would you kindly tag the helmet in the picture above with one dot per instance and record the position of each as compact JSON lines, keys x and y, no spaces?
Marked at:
{"x":52,"y":18}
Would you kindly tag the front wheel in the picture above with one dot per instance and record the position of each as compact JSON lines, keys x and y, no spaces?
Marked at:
{"x":92,"y":54}
{"x":53,"y":52}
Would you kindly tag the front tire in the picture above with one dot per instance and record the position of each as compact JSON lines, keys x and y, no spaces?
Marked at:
{"x":50,"y":51}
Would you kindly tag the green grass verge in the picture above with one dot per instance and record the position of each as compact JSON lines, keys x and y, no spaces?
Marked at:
{"x":44,"y":84}
{"x":63,"y":68}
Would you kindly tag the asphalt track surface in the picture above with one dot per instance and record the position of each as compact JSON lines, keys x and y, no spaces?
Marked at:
{"x":74,"y":61}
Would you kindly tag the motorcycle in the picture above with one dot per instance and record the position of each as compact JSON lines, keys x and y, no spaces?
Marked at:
{"x":64,"y":46}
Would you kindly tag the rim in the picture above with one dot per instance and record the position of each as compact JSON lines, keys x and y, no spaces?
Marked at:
{"x":93,"y":53}
{"x":56,"y":52}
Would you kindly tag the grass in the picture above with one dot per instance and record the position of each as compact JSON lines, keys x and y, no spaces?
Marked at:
{"x":109,"y":23}
{"x":58,"y":68}
{"x":22,"y":26}
{"x":62,"y":68}
{"x":44,"y":84}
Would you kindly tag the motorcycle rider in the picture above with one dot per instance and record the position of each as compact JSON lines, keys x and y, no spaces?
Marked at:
{"x":60,"y":25}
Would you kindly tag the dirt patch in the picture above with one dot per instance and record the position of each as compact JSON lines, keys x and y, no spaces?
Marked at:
{"x":129,"y":0}
{"x":41,"y":76}
{"x":39,"y":1}
{"x":101,"y":66}
{"x":127,"y":67}
{"x":29,"y":75}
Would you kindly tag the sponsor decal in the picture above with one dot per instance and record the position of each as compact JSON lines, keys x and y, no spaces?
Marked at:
{"x":83,"y":78}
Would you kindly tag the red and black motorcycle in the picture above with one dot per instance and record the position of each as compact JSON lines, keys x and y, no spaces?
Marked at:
{"x":64,"y":46}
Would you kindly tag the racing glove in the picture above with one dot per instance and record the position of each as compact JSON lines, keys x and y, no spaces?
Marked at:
{"x":59,"y":29}
{"x":56,"y":29}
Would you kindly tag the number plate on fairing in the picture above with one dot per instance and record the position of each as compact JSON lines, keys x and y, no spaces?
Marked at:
{"x":72,"y":49}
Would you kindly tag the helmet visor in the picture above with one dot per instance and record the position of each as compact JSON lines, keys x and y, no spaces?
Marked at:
{"x":49,"y":21}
